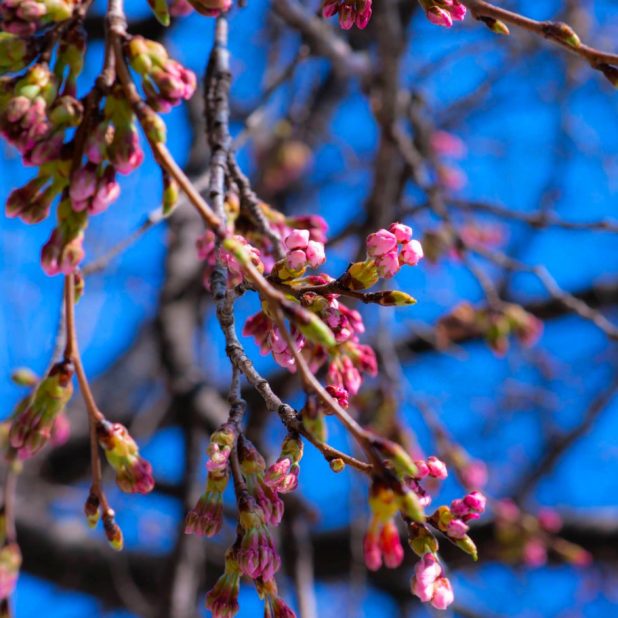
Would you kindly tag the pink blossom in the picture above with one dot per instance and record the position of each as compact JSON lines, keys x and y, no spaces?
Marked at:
{"x":315,"y":254}
{"x":447,"y":144}
{"x":439,"y":17}
{"x":387,"y":264}
{"x":437,"y":468}
{"x":403,"y":233}
{"x":457,"y":529}
{"x":297,"y":239}
{"x":380,"y":243}
{"x":442,"y":593}
{"x":411,"y":253}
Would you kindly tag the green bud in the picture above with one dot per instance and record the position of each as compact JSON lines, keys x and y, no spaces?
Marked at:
{"x":360,"y":275}
{"x":422,"y":541}
{"x":91,"y":509}
{"x":312,"y":327}
{"x":66,"y":112}
{"x":315,"y":424}
{"x":391,"y":298}
{"x":337,"y":465}
{"x":562,"y":32}
{"x":14,"y":53}
{"x":495,"y":25}
{"x":170,"y":195}
{"x":410,"y":507}
{"x":154,"y":127}
{"x":25,"y":377}
{"x":160,"y":10}
{"x":467,"y":545}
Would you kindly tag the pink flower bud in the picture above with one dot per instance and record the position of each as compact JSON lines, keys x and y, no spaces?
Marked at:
{"x":371,"y":551}
{"x":387,"y":265}
{"x":390,"y":545}
{"x":297,"y":239}
{"x":296,"y":260}
{"x":315,"y":254}
{"x":439,"y":17}
{"x":83,"y":183}
{"x":442,"y":593}
{"x":457,"y":529}
{"x":411,"y":253}
{"x":380,"y":243}
{"x":403,"y":233}
{"x":476,"y":501}
{"x":437,"y":468}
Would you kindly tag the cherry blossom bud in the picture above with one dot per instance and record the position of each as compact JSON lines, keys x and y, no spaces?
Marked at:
{"x":443,"y":593}
{"x":403,"y":233}
{"x":562,"y":32}
{"x":439,"y":17}
{"x":211,"y":8}
{"x":15,"y":52}
{"x":59,"y":256}
{"x":206,"y":517}
{"x":133,"y":473}
{"x":220,"y":447}
{"x":112,"y":530}
{"x":361,"y":275}
{"x":411,"y":253}
{"x":421,"y":540}
{"x":160,"y":11}
{"x":297,"y":239}
{"x":91,"y":509}
{"x":222,"y":599}
{"x":380,"y":243}
{"x":171,"y":195}
{"x":387,"y":264}
{"x":257,"y":556}
{"x":337,"y":465}
{"x":437,"y":468}
{"x":476,"y":501}
{"x":32,"y":427}
{"x":315,"y":254}
{"x":23,"y":376}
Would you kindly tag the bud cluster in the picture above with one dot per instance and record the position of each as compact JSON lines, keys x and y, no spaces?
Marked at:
{"x":26,"y":17}
{"x":133,"y":473}
{"x":206,"y":517}
{"x":351,"y":12}
{"x":35,"y":416}
{"x":443,"y":12}
{"x":165,"y":81}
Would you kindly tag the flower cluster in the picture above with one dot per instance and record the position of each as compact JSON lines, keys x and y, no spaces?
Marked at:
{"x":253,"y":468}
{"x":391,"y":249}
{"x":78,"y":156}
{"x":282,"y":475}
{"x":166,"y":82}
{"x":26,"y":17}
{"x":206,"y":517}
{"x":429,"y":583}
{"x":133,"y":473}
{"x":222,"y":599}
{"x":35,"y":416}
{"x":453,"y":521}
{"x":496,"y":325}
{"x":257,"y":489}
{"x":444,"y":12}
{"x":351,"y":12}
